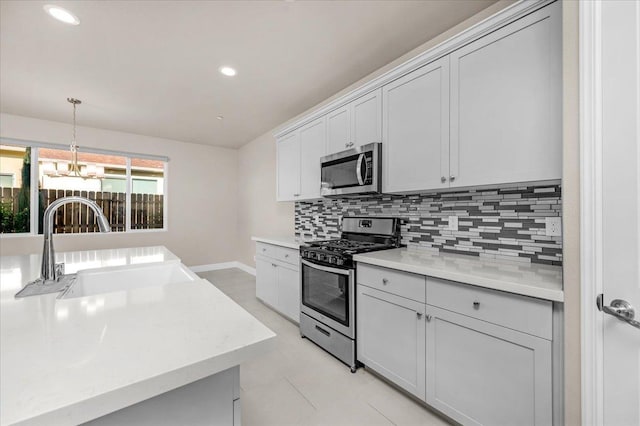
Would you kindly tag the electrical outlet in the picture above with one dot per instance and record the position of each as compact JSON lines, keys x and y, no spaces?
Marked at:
{"x":453,"y":223}
{"x":553,"y":226}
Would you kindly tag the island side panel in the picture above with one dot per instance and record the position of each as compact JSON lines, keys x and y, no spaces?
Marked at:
{"x":208,"y":401}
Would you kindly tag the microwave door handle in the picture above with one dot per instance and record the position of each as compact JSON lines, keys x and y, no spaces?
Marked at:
{"x":359,"y":169}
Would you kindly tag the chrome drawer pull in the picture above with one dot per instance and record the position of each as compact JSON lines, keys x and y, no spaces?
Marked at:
{"x":428,"y":317}
{"x":476,"y":305}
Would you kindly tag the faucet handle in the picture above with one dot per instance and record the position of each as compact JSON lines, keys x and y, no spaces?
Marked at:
{"x":59,"y":270}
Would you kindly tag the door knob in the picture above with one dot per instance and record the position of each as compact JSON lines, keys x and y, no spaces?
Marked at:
{"x":620,"y":309}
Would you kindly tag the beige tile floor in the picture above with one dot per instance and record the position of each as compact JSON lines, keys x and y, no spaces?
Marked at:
{"x":298,"y":383}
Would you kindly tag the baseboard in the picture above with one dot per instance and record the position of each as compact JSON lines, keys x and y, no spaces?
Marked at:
{"x":224,"y":265}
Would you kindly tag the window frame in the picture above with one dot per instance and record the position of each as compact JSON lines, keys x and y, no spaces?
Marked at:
{"x":35,"y":198}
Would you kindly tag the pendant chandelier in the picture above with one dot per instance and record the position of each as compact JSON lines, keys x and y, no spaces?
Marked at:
{"x":73,"y":169}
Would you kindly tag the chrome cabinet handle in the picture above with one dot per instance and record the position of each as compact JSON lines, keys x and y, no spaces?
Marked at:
{"x":428,"y":317}
{"x":264,"y":249}
{"x":273,"y":264}
{"x":419,"y":315}
{"x":443,"y":179}
{"x":620,"y":309}
{"x":476,"y":305}
{"x":385,"y":281}
{"x":296,"y":195}
{"x":452,"y":178}
{"x":286,"y":255}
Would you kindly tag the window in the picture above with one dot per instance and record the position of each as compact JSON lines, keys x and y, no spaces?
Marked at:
{"x":129,"y":189}
{"x":147,"y":190}
{"x":15,"y":189}
{"x":6,"y":180}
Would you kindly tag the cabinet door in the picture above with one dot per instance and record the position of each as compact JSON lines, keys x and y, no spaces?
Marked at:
{"x":506,"y":107}
{"x":288,"y":165}
{"x":339,"y":130}
{"x":312,"y":148}
{"x":415,"y":124}
{"x":289,"y":292}
{"x":266,"y":288}
{"x":391,"y":337}
{"x":483,"y":374}
{"x":366,"y":118}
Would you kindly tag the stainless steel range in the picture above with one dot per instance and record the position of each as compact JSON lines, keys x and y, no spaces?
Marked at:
{"x":328,"y":282}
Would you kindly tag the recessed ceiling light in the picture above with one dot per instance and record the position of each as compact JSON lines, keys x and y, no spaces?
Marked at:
{"x":62,"y":15}
{"x":220,"y":117}
{"x":228,"y":71}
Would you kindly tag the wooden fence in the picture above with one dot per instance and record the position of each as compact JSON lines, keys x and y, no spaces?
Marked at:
{"x":147,"y":210}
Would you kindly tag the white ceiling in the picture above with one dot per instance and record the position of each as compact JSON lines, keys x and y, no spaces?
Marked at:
{"x":151,"y":67}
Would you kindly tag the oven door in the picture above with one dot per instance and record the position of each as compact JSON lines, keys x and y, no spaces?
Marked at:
{"x":328,"y":296}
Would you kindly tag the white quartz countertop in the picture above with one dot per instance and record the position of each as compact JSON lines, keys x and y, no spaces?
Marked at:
{"x":68,"y":361}
{"x":283,"y":241}
{"x":528,"y":279}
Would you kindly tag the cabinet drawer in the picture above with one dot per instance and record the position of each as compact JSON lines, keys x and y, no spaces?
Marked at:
{"x":282,"y":254}
{"x":287,"y":255}
{"x":267,"y":250}
{"x":522,"y":313}
{"x":405,"y":284}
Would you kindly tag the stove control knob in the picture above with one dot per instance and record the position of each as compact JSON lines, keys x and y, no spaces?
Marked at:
{"x":312,"y":255}
{"x":340,"y":261}
{"x":331,"y":259}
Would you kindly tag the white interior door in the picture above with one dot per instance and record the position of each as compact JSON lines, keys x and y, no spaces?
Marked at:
{"x":610,"y":110}
{"x":620,"y":210}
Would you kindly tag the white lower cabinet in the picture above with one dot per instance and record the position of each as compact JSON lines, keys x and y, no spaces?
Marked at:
{"x":484,"y":360}
{"x":266,"y":286}
{"x":288,"y":282}
{"x":391,"y":337}
{"x":483,"y":374}
{"x":278,"y":281}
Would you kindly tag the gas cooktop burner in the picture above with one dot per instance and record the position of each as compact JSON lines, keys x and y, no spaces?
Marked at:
{"x":359,"y":235}
{"x":350,"y":245}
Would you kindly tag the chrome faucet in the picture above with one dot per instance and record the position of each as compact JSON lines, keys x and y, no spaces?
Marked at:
{"x":49,"y":271}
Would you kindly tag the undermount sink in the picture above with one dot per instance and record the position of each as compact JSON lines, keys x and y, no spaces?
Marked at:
{"x":90,"y":282}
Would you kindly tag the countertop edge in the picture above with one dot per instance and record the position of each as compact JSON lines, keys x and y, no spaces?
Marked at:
{"x":510,"y":287}
{"x":117,"y":399}
{"x":279,"y":241}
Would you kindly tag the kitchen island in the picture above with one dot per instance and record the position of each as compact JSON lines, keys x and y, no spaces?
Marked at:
{"x":167,"y":354}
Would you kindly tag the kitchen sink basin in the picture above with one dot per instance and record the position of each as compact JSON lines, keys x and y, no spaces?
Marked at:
{"x":90,"y":282}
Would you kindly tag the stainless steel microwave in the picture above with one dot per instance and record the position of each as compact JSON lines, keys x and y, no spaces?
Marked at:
{"x":354,"y":171}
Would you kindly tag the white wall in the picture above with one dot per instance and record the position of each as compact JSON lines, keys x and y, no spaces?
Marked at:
{"x":258,"y":211}
{"x":202,"y":194}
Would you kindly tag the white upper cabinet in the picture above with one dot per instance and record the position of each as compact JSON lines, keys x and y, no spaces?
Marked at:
{"x":416,"y":130}
{"x":506,"y":117}
{"x":299,"y":153}
{"x":488,"y":113}
{"x":312,"y":147}
{"x":288,"y":166}
{"x":339,"y":129}
{"x":366,"y":116}
{"x":357,"y":123}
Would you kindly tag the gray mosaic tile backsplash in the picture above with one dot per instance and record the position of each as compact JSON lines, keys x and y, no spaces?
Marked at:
{"x":503,"y":222}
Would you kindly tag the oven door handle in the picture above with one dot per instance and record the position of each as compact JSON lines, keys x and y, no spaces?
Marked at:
{"x":325,"y":268}
{"x":359,"y":169}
